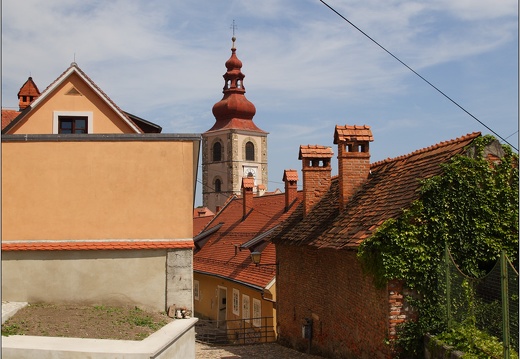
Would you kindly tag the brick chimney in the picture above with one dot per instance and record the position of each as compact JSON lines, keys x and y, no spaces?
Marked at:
{"x":290,"y":177}
{"x":248,"y":183}
{"x":353,"y":159}
{"x":27,"y":94}
{"x":316,"y":174}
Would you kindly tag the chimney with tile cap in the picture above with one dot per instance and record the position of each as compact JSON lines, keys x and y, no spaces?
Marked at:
{"x":248,"y":183}
{"x":316,"y":171}
{"x":290,"y":177}
{"x":353,"y":159}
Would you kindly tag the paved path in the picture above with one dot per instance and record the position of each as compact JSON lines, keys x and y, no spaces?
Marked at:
{"x":254,"y":351}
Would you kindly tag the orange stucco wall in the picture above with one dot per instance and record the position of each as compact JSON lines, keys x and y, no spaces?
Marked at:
{"x":207,"y":303}
{"x":105,"y":119}
{"x":97,"y":190}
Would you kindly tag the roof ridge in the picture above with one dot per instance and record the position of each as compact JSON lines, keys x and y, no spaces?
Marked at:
{"x":427,"y":149}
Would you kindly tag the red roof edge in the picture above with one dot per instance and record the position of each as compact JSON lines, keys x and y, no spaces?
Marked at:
{"x":94,"y":245}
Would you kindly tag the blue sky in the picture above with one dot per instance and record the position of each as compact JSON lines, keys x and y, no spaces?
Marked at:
{"x":306,"y":68}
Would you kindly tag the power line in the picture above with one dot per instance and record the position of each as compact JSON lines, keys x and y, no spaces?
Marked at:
{"x":416,"y":73}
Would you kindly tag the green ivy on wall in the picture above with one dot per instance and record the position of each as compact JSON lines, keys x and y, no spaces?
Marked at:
{"x":472,"y":208}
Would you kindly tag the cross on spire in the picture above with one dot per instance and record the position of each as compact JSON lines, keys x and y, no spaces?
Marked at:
{"x":233,"y":27}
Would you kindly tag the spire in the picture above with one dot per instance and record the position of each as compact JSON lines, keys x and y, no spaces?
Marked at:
{"x":234,"y":110}
{"x":27,"y":94}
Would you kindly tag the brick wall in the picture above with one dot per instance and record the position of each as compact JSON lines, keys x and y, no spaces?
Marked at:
{"x":351,"y":318}
{"x":353,"y":170}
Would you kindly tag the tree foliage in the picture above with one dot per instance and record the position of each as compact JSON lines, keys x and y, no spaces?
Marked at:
{"x":472,"y":208}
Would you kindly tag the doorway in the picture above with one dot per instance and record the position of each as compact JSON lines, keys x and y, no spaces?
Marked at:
{"x":222,"y":306}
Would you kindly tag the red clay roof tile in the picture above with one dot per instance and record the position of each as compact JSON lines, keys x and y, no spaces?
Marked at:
{"x":221,"y":255}
{"x":290,"y":175}
{"x":315,"y":151}
{"x":8,"y":116}
{"x":352,"y":133}
{"x":391,"y":187}
{"x":93,"y":245}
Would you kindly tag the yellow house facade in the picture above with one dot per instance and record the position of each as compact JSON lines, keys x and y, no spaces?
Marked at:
{"x":96,"y":204}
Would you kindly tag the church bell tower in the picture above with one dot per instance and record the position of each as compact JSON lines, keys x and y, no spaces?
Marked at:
{"x":234,"y":147}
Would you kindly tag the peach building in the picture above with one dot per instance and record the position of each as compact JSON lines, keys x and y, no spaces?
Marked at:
{"x":97,"y":204}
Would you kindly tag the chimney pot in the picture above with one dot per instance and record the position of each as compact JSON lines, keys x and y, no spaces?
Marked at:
{"x":353,"y":159}
{"x":316,"y":174}
{"x":248,"y":183}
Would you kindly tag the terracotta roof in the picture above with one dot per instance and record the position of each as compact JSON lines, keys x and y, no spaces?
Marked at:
{"x":201,"y":217}
{"x":8,"y":116}
{"x":353,"y":133}
{"x":29,"y":88}
{"x":222,"y":254}
{"x":391,"y":187}
{"x":92,"y":245}
{"x":290,"y":175}
{"x":248,"y":182}
{"x":315,"y":151}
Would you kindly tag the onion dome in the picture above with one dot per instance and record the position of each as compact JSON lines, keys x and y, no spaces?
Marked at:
{"x":234,"y":110}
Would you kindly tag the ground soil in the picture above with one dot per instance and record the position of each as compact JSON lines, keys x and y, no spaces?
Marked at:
{"x":75,"y":321}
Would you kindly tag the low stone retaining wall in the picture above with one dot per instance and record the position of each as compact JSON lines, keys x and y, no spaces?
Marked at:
{"x":435,"y":349}
{"x":174,"y":340}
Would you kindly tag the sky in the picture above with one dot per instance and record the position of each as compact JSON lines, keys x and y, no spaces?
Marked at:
{"x":306,"y":69}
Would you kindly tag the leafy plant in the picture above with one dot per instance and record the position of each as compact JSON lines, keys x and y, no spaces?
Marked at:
{"x":11,"y":329}
{"x":474,"y":343}
{"x":472,"y":208}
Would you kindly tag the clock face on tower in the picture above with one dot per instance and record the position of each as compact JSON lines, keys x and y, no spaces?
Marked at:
{"x":250,"y":172}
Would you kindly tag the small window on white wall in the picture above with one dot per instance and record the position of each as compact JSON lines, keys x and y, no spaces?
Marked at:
{"x":236,"y":300}
{"x":196,"y":289}
{"x":245,"y":308}
{"x":257,"y":312}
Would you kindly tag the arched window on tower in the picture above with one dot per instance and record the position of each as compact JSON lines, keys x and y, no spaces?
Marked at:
{"x":218,"y":186}
{"x":250,"y":151}
{"x":217,"y":152}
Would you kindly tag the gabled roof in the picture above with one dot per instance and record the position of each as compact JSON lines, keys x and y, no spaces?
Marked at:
{"x":74,"y":69}
{"x":391,"y":187}
{"x":226,"y":249}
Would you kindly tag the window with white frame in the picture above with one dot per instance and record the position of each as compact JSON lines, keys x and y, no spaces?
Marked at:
{"x":69,"y":122}
{"x":257,"y":312}
{"x":245,"y":308}
{"x":196,"y":289}
{"x":236,"y":300}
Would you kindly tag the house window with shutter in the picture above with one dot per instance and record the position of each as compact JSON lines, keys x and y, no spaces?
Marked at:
{"x":236,"y":300}
{"x":245,"y":308}
{"x":257,"y":312}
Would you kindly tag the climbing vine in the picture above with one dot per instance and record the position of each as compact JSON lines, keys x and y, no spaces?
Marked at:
{"x":472,"y":207}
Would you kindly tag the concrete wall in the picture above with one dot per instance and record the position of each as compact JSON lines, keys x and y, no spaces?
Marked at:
{"x":135,"y":277}
{"x":179,"y":278}
{"x":174,"y":341}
